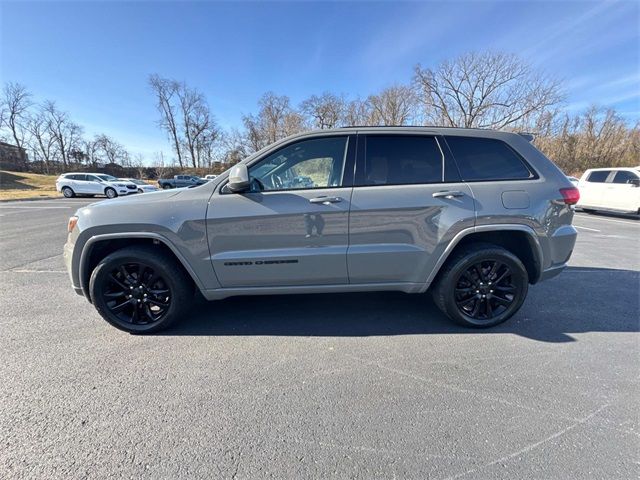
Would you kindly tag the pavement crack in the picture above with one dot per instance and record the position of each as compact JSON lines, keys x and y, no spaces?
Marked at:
{"x":531,"y":446}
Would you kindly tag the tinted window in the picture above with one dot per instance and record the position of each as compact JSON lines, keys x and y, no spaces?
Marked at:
{"x":487,"y":159}
{"x":316,"y":163}
{"x":598,"y":177}
{"x":79,"y":177}
{"x":624,"y":177}
{"x":91,"y":178}
{"x":402,"y":160}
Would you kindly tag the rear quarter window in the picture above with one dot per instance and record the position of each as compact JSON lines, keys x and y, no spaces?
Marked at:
{"x":623,"y":176}
{"x":483,"y":159}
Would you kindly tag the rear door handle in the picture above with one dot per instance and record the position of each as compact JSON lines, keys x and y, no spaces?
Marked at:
{"x":325,"y":200}
{"x":448,"y":194}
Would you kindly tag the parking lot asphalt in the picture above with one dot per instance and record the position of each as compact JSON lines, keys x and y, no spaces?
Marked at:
{"x":349,"y":386}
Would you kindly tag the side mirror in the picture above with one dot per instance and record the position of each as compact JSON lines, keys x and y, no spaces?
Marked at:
{"x":239,"y":178}
{"x":635,"y":182}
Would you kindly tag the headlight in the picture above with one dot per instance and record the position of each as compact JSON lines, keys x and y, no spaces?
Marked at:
{"x":72,"y":223}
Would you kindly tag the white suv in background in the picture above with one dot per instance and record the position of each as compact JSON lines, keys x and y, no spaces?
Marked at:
{"x":72,"y":184}
{"x":611,"y":189}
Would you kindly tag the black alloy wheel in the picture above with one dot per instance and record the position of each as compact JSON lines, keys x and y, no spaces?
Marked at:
{"x":485,"y":290}
{"x":135,"y":293}
{"x":140,"y":289}
{"x":482,"y":285}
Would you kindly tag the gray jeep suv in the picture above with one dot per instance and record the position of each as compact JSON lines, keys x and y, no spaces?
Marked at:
{"x":474,"y":216}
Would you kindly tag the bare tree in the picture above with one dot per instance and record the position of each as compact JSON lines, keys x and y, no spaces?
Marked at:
{"x":166,"y":93}
{"x":275,"y":120}
{"x":394,"y":105}
{"x":358,"y":112}
{"x":66,"y":133}
{"x":42,"y":143}
{"x":15,"y":104}
{"x":324,"y":111}
{"x":485,"y":90}
{"x":110,"y":150}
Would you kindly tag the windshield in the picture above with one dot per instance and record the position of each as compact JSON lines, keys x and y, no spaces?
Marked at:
{"x":107,"y":178}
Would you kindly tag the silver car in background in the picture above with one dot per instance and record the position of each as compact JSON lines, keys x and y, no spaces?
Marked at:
{"x":473,"y":216}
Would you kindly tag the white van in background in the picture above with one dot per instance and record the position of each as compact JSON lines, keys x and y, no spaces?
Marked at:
{"x":610,"y":189}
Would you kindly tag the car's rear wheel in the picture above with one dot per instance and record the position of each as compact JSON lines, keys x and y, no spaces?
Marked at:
{"x":110,"y":192}
{"x":139,"y":290}
{"x":68,"y":192}
{"x":166,"y":186}
{"x":481,"y":286}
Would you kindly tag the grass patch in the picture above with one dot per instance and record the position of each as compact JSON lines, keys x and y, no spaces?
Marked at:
{"x":21,"y":185}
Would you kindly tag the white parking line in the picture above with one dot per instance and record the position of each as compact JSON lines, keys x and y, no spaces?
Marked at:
{"x":587,"y":228}
{"x":629,"y":222}
{"x":35,"y":207}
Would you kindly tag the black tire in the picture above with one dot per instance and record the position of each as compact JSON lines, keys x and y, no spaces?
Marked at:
{"x":163,"y":285}
{"x":110,"y":192}
{"x":481,"y":286}
{"x":166,"y":186}
{"x":68,"y":192}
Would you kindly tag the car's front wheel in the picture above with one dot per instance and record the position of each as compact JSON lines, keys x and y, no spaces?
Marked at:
{"x":110,"y":192}
{"x":481,"y":286}
{"x":140,"y":290}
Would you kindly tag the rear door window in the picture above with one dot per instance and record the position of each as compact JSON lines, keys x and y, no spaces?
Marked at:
{"x":484,"y":159}
{"x":623,"y":176}
{"x":402,"y":160}
{"x":599,"y":176}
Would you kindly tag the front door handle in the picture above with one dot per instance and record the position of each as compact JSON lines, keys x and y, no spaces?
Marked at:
{"x":448,"y":194}
{"x":325,"y":200}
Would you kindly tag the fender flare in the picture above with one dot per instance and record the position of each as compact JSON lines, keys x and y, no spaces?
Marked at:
{"x":88,"y":245}
{"x":531,"y":234}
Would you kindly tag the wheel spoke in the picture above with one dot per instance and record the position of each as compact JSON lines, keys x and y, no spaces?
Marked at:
{"x":503,"y":276}
{"x":118,"y":282}
{"x":505,"y":289}
{"x":476,"y":308}
{"x":502,"y":301}
{"x":494,"y":269}
{"x":114,"y":294}
{"x":148,"y":313}
{"x":119,"y":308}
{"x":159,"y":304}
{"x":489,"y":310}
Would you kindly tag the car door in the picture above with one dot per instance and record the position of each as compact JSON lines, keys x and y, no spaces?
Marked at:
{"x":621,"y":192}
{"x":80,"y":184}
{"x":592,"y":190}
{"x":407,"y":204}
{"x":94,"y":185}
{"x":277,"y":234}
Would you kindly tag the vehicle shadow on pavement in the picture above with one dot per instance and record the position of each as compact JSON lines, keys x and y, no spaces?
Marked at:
{"x":577,"y":301}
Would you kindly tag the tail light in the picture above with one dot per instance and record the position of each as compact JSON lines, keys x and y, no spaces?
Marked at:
{"x":570,"y":195}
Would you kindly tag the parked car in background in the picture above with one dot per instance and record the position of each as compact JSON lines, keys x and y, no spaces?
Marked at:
{"x":91,"y":184}
{"x":143,"y":187}
{"x":180,"y":181}
{"x":475,"y":216}
{"x":210,"y":177}
{"x":610,"y":189}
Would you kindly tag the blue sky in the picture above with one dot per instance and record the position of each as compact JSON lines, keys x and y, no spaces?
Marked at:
{"x":94,"y":58}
